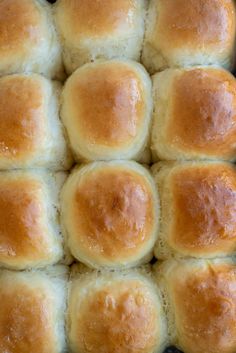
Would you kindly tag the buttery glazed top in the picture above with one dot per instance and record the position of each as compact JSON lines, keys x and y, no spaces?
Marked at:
{"x":195,"y":24}
{"x":20,"y":27}
{"x":205,"y":308}
{"x":94,"y":18}
{"x":203,"y":112}
{"x":22,"y":231}
{"x":204,"y":209}
{"x":24,"y":319}
{"x":22,"y":120}
{"x":118,"y":318}
{"x":113,"y":213}
{"x":106,"y":103}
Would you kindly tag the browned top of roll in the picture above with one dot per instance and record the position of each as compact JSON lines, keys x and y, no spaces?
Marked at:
{"x":22,"y":232}
{"x":196,"y":24}
{"x":205,"y":309}
{"x":204,"y":201}
{"x":108,"y":103}
{"x":203,"y":112}
{"x":113,"y":210}
{"x":24,"y":320}
{"x":120,"y":317}
{"x":94,"y":18}
{"x":20,"y":27}
{"x":22,"y":116}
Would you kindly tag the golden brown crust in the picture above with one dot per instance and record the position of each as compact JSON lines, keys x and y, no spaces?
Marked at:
{"x":19,"y":27}
{"x":196,"y":24}
{"x":24,"y":320}
{"x":203,"y":112}
{"x":21,"y":116}
{"x":114,"y":212}
{"x":110,"y":101}
{"x":204,"y":206}
{"x":116,"y":319}
{"x":205,"y":309}
{"x":96,"y":18}
{"x":22,"y":233}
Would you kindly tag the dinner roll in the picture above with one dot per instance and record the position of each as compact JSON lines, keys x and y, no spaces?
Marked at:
{"x":28,"y":40}
{"x":29,"y":230}
{"x":198,"y":203}
{"x":189,"y":32}
{"x":97,"y":29}
{"x":194,"y":114}
{"x":200,"y":299}
{"x":106,"y":108}
{"x":110,"y":214}
{"x":30,"y":131}
{"x":115,"y":312}
{"x":32,"y":311}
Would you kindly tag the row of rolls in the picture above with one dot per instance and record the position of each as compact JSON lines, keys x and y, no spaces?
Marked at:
{"x":113,"y":110}
{"x":38,"y":37}
{"x":114,"y":214}
{"x":148,"y":115}
{"x":190,"y":304}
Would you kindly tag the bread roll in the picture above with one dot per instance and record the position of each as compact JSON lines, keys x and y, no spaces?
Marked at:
{"x":200,"y":299}
{"x":194,"y":114}
{"x":110,"y":214}
{"x":106,"y":108}
{"x":189,"y":32}
{"x":30,"y":131}
{"x":198,"y":203}
{"x":29,"y":231}
{"x":32,"y":311}
{"x":115,"y":312}
{"x":97,"y":29}
{"x":28,"y":40}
